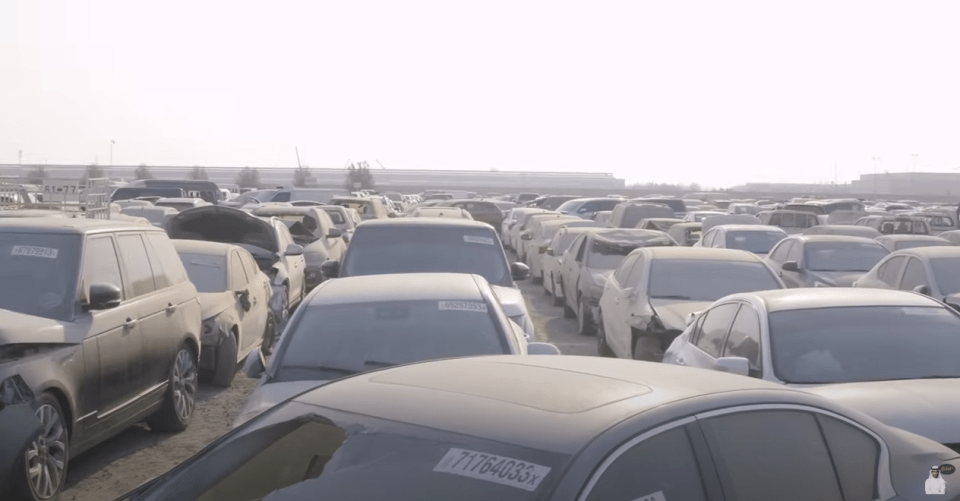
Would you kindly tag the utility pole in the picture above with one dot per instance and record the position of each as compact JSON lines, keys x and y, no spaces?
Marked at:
{"x":875,"y":161}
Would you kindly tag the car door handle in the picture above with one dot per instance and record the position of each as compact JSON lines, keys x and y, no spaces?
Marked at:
{"x":130,"y":323}
{"x":171,"y":307}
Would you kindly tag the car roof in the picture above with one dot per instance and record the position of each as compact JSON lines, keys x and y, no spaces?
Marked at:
{"x":938,"y":251}
{"x":833,"y":238}
{"x":399,"y":286}
{"x":704,"y":253}
{"x":749,"y":227}
{"x":834,"y":297}
{"x":77,"y":225}
{"x":203,"y":247}
{"x":526,"y":401}
{"x":911,"y":238}
{"x":422,"y":221}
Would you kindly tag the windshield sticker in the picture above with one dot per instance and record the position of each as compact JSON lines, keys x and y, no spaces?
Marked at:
{"x":498,"y":469}
{"x":478,"y":240}
{"x":32,"y":251}
{"x":656,"y":496}
{"x":464,"y":306}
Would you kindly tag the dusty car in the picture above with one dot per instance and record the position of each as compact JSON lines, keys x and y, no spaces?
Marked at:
{"x":824,"y":260}
{"x":181,"y":204}
{"x":321,"y":195}
{"x":267,"y":239}
{"x":314,"y":230}
{"x":741,"y":219}
{"x":632,"y":431}
{"x":658,"y":223}
{"x":541,"y":235}
{"x":850,"y":230}
{"x":896,"y":224}
{"x":368,"y":208}
{"x":552,"y":259}
{"x":158,"y":216}
{"x":528,"y":232}
{"x":235,"y":300}
{"x":648,"y":300}
{"x":100,"y":321}
{"x":480,"y":210}
{"x":586,"y":208}
{"x":790,"y":221}
{"x":927,"y":270}
{"x":685,"y":234}
{"x":755,"y":238}
{"x":846,"y":345}
{"x":432,"y":245}
{"x":900,"y":242}
{"x":699,"y":215}
{"x":589,"y":261}
{"x":344,"y":218}
{"x":441,"y":212}
{"x":519,"y":218}
{"x":357,"y":324}
{"x":628,"y":214}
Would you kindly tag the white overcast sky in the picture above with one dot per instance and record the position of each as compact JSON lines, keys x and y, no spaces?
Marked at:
{"x":715,"y":92}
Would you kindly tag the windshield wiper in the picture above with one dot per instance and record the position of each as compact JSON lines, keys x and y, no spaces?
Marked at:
{"x":348,"y":372}
{"x":379,"y":363}
{"x":671,"y":297}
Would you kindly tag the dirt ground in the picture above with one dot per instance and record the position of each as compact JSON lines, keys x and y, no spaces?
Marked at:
{"x":115,"y":467}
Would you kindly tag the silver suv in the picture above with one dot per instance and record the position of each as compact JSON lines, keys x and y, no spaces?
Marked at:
{"x":100,"y":320}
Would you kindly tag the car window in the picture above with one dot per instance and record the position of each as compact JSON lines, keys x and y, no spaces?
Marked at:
{"x":913,"y":275}
{"x":283,"y":196}
{"x":697,"y":329}
{"x":167,"y":260}
{"x":669,"y":471}
{"x":138,"y":276}
{"x":715,"y":327}
{"x":750,"y":452}
{"x":842,"y":256}
{"x":238,"y":277}
{"x":856,"y":457}
{"x":708,"y":238}
{"x":581,"y":250}
{"x":796,"y":252}
{"x":889,"y":271}
{"x":101,"y":264}
{"x":624,"y":270}
{"x":633,"y":279}
{"x":779,"y":254}
{"x":744,"y":339}
{"x":249,"y":265}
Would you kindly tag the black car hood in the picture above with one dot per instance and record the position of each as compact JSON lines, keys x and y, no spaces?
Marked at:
{"x":214,"y":223}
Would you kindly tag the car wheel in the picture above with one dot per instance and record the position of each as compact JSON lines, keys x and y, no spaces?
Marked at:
{"x":586,"y":327}
{"x":44,"y":464}
{"x":226,"y":362}
{"x":269,"y":335}
{"x":603,"y":349}
{"x":648,"y":349}
{"x":180,"y":398}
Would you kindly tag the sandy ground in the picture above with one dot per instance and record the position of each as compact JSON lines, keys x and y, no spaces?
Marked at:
{"x":137,"y":455}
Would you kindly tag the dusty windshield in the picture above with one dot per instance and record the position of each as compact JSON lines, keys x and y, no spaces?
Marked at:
{"x":207,"y":272}
{"x":39,"y":273}
{"x":707,"y":280}
{"x":843,"y":256}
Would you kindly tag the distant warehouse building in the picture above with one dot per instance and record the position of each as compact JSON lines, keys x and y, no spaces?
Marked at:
{"x":392,"y":179}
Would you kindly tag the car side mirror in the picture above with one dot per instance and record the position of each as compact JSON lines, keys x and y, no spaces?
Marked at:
{"x":922,"y":289}
{"x":255,"y":365}
{"x":330,"y":268}
{"x":791,"y":266}
{"x":104,"y":296}
{"x":334,"y":233}
{"x":692,"y":318}
{"x":733,"y":365}
{"x":519,"y":271}
{"x":526,"y":236}
{"x":542,"y":349}
{"x":549,"y":251}
{"x":294,"y":250}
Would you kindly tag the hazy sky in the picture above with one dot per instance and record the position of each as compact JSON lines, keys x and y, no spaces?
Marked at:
{"x":717,"y":92}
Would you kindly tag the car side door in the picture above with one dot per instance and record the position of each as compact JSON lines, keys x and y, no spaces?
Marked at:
{"x":632,"y":296}
{"x":794,"y":255}
{"x":295,"y":265}
{"x":576,"y":269}
{"x":246,"y":302}
{"x":259,"y":287}
{"x":888,"y":274}
{"x":915,"y":276}
{"x":570,"y":263}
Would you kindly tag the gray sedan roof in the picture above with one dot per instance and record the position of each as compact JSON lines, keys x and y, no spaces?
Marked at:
{"x":399,"y":287}
{"x":701,"y":253}
{"x":835,"y":297}
{"x":550,"y":403}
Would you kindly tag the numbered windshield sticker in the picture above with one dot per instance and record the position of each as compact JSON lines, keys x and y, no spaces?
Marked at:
{"x":478,"y":240}
{"x":656,"y":496}
{"x":30,"y":250}
{"x":464,"y":306}
{"x":498,"y":469}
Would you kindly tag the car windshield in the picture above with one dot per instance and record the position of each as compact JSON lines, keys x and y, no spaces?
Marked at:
{"x":336,"y":216}
{"x":946,"y":271}
{"x":334,"y":340}
{"x":427,"y":249}
{"x":207,"y":272}
{"x":707,"y":280}
{"x":39,"y":274}
{"x":759,"y":242}
{"x":605,"y":255}
{"x":842,"y":256}
{"x":864,"y":343}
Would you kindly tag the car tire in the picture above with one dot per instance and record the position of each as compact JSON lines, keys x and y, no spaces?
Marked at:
{"x":647,"y":349}
{"x":269,"y":335}
{"x":584,"y":321}
{"x":179,"y":401}
{"x":603,"y":348}
{"x":48,"y":455}
{"x":226,"y":357}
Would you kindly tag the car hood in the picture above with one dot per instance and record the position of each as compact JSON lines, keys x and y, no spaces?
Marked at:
{"x":269,"y":395}
{"x":927,"y":407}
{"x":836,"y":278}
{"x":213,"y":303}
{"x":511,"y":299}
{"x":16,"y":328}
{"x":673,"y":313}
{"x":216,"y":223}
